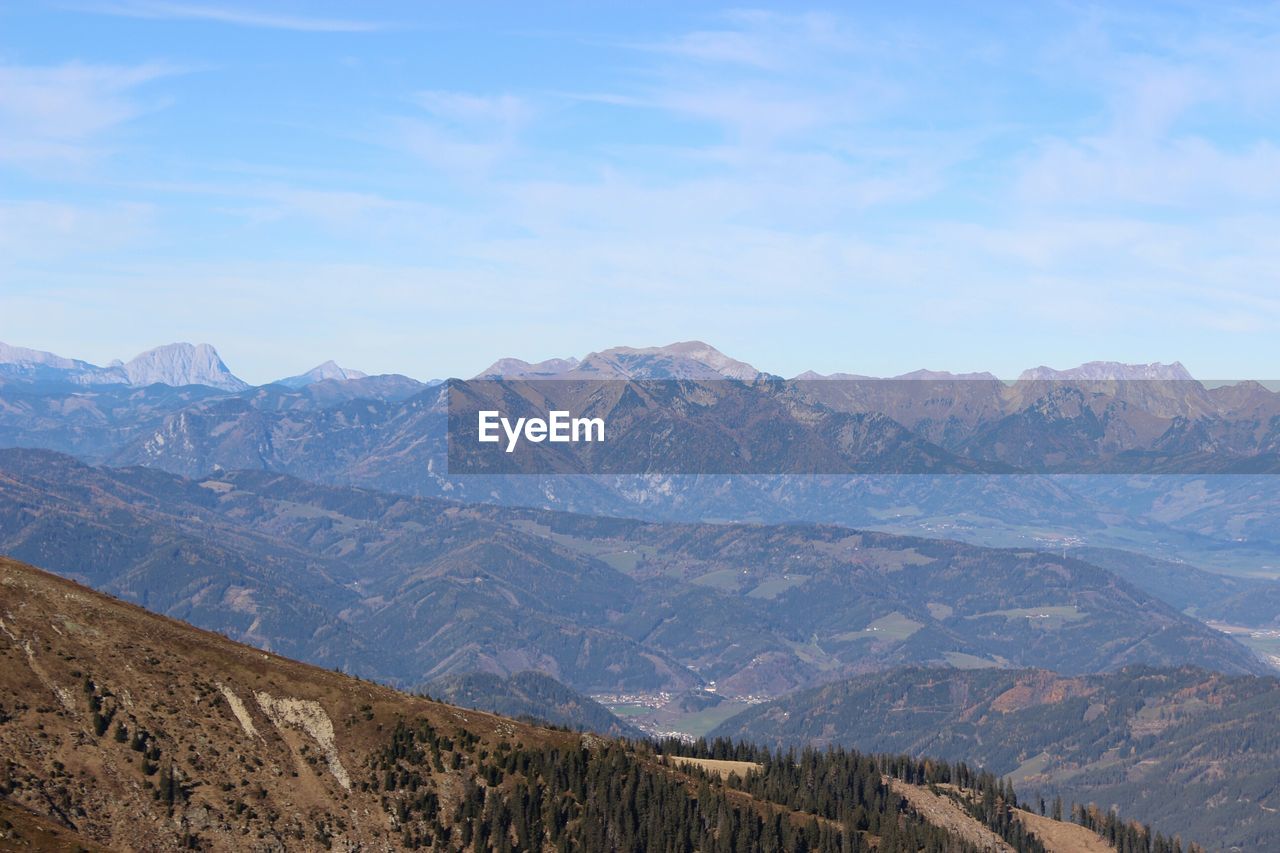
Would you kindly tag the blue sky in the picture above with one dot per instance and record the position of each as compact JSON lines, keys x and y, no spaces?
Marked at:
{"x":423,"y":188}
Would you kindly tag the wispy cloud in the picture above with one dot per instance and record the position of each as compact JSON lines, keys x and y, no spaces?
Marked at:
{"x":505,"y":111}
{"x":1070,"y":177}
{"x":759,"y":39}
{"x":55,"y":114}
{"x":1182,"y":118}
{"x":769,"y":81}
{"x":460,"y":132}
{"x":236,"y":16}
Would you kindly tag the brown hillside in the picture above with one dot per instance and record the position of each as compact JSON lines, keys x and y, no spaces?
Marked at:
{"x":121,"y":729}
{"x":253,"y":750}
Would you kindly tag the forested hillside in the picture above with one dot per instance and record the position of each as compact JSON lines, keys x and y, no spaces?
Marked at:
{"x":1194,"y":752}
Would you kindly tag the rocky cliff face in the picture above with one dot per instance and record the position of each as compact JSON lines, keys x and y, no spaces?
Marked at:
{"x":177,"y":364}
{"x":182,"y":364}
{"x":1106,"y":370}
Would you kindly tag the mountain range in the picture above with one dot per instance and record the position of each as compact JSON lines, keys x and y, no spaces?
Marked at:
{"x":408,"y":590}
{"x":181,"y":364}
{"x":176,"y":365}
{"x":321,"y":517}
{"x":720,"y":416}
{"x":173,"y":364}
{"x":389,"y":433}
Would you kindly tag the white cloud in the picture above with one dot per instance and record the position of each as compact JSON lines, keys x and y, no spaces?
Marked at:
{"x":1184,"y":119}
{"x":505,"y":111}
{"x":1181,"y":171}
{"x":237,"y":16}
{"x":742,"y":181}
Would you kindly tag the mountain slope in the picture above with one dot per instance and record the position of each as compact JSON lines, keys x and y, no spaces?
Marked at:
{"x":408,"y":590}
{"x":530,"y":695}
{"x":133,"y":731}
{"x":1234,"y":600}
{"x":397,"y":589}
{"x":1192,"y":751}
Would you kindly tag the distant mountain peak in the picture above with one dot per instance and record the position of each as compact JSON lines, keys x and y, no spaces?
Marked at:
{"x":946,"y":375}
{"x":23,"y":356}
{"x":328,"y":370}
{"x":681,"y":360}
{"x":935,"y":375}
{"x":1107,"y":370}
{"x":182,"y":364}
{"x":32,"y":365}
{"x":516,"y":368}
{"x":172,"y":364}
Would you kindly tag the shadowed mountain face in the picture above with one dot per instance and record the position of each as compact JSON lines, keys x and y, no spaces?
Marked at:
{"x":1193,"y":750}
{"x":411,"y":589}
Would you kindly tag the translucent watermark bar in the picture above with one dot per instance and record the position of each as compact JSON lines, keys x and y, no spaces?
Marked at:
{"x":861,"y":426}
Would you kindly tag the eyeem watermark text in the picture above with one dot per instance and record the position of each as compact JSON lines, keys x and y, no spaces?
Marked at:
{"x":558,"y":426}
